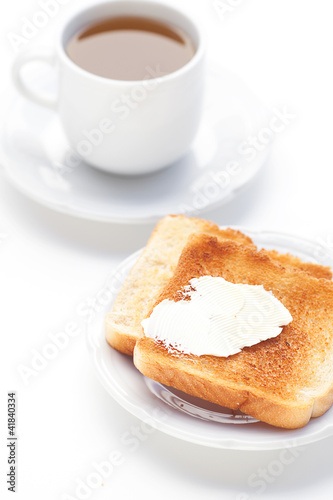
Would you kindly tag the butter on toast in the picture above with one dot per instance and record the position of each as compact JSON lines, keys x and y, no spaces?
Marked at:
{"x":155,"y":267}
{"x":283,"y":381}
{"x":151,"y":272}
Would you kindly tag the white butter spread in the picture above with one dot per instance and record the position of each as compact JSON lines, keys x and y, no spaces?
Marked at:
{"x":218,"y":318}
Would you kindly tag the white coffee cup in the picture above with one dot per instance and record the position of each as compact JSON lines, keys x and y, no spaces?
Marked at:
{"x":123,"y":127}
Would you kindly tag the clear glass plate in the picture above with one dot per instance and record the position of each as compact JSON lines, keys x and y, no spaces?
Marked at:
{"x":184,"y":416}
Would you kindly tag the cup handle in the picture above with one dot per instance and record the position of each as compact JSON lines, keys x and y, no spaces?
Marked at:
{"x":37,"y":54}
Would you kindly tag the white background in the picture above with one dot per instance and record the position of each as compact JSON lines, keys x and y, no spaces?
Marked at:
{"x":50,"y":263}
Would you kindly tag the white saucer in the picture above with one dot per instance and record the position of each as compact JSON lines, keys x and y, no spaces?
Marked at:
{"x":183,"y":416}
{"x":34,"y":147}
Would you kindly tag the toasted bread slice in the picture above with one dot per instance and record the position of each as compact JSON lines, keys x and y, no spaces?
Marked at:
{"x":287,"y":259}
{"x":151,"y":272}
{"x":283,"y":381}
{"x":155,"y":267}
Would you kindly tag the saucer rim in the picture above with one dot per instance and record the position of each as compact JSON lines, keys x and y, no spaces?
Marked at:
{"x":61,"y":207}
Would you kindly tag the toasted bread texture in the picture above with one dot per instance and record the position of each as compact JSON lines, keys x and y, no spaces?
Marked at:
{"x":287,"y":259}
{"x":155,"y":267}
{"x":283,"y":381}
{"x":151,"y":272}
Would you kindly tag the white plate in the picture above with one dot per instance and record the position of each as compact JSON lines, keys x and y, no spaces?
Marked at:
{"x":183,"y":416}
{"x":34,"y":152}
